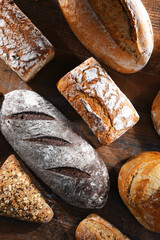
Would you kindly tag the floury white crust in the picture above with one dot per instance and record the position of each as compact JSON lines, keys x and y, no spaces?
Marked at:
{"x":46,"y":141}
{"x":22,"y":46}
{"x":98,"y":100}
{"x":118,"y":32}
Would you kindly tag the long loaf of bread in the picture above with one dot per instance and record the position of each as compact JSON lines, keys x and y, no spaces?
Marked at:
{"x":119,"y":32}
{"x":46,"y":141}
{"x":22,"y":46}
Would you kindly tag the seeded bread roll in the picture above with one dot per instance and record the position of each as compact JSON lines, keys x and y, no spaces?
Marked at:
{"x":22,"y":46}
{"x":139,"y":187}
{"x":19,"y":198}
{"x":96,"y":228}
{"x":98,"y":100}
{"x":47,"y":142}
{"x":119,"y":32}
{"x":155,"y":113}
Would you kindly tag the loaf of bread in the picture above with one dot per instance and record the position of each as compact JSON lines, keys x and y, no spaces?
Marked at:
{"x":117,"y":32}
{"x":139,"y":187}
{"x":47,"y":142}
{"x":19,"y":198}
{"x":98,"y":100}
{"x":96,"y":228}
{"x":155,"y":113}
{"x":22,"y":46}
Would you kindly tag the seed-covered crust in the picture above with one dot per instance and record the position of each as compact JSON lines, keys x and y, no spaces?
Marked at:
{"x":19,"y":198}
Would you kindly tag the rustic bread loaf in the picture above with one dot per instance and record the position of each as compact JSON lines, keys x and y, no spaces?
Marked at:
{"x":139,"y":187}
{"x":119,"y":32}
{"x":98,"y":100}
{"x":22,"y":46}
{"x":19,"y":198}
{"x":155,"y":113}
{"x":96,"y":228}
{"x":46,"y":141}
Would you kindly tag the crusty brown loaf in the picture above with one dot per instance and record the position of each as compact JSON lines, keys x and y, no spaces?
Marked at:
{"x":98,"y":100}
{"x":119,"y":32}
{"x":19,"y":198}
{"x":22,"y":46}
{"x":155,"y":113}
{"x":96,"y":228}
{"x":47,"y":142}
{"x":139,"y":187}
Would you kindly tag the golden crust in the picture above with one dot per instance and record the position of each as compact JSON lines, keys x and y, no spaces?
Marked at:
{"x":96,"y":228}
{"x":18,"y":196}
{"x":155,"y":113}
{"x":139,"y":184}
{"x":98,"y":100}
{"x":91,"y":31}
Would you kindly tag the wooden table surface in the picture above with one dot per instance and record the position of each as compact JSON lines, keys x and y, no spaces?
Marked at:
{"x":141,"y":88}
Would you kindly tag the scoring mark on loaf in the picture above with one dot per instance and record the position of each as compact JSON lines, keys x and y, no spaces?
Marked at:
{"x":31,"y":116}
{"x":49,"y":140}
{"x":70,"y":172}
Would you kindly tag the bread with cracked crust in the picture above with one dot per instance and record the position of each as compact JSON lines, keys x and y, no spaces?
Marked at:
{"x":139,"y":188}
{"x":94,"y":95}
{"x":119,"y":32}
{"x":22,"y":46}
{"x":51,"y":146}
{"x":95,"y":227}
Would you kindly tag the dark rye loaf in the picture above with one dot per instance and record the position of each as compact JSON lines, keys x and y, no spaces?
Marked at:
{"x":46,"y":141}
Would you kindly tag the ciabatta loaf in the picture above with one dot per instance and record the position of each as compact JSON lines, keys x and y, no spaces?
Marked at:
{"x":46,"y":141}
{"x":119,"y":32}
{"x":98,"y":100}
{"x":22,"y":46}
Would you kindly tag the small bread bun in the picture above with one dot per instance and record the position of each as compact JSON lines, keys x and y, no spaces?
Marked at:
{"x":155,"y":113}
{"x":117,"y":32}
{"x":96,"y":228}
{"x":139,"y":188}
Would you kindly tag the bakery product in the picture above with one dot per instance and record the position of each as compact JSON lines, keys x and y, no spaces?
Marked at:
{"x":139,"y":187}
{"x":22,"y":46}
{"x":155,"y":113}
{"x":117,"y":32}
{"x":47,"y":142}
{"x":96,"y":228}
{"x":19,"y":198}
{"x":98,"y":100}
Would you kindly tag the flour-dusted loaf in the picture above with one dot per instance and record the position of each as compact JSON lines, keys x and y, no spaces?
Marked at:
{"x":19,"y":198}
{"x":98,"y":100}
{"x":155,"y":113}
{"x":139,"y":188}
{"x":22,"y":46}
{"x":119,"y":32}
{"x":95,"y":227}
{"x":46,"y":141}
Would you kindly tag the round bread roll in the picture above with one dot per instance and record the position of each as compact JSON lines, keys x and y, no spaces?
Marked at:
{"x":139,"y":188}
{"x":155,"y":113}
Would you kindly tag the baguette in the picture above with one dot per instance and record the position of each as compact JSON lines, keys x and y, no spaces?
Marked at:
{"x":22,"y":46}
{"x":139,"y":188}
{"x":19,"y":198}
{"x":46,"y":141}
{"x":118,"y":32}
{"x":98,"y":100}
{"x":96,"y":228}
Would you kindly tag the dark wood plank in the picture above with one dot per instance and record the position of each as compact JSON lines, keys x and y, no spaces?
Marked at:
{"x":141,"y":89}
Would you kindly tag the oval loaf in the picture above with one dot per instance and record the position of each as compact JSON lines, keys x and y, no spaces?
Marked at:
{"x":118,"y":32}
{"x":46,"y":141}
